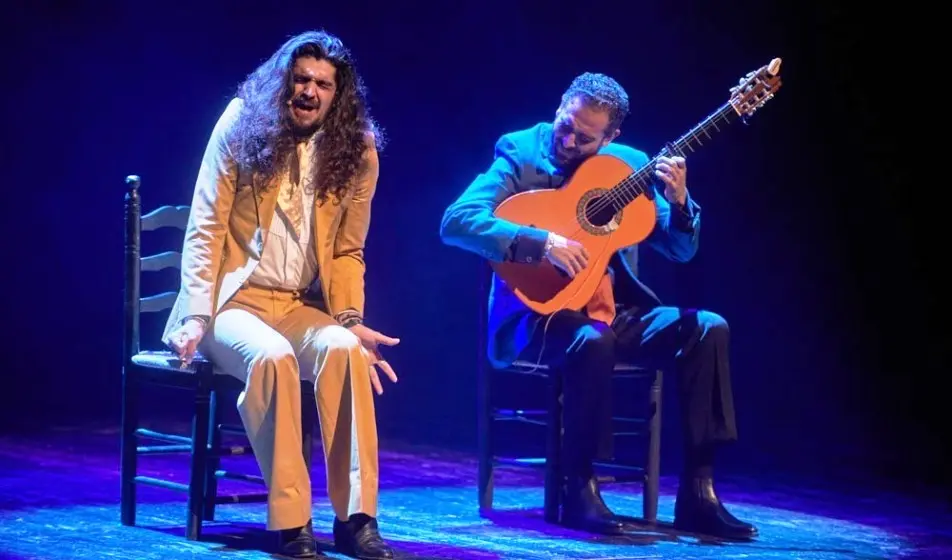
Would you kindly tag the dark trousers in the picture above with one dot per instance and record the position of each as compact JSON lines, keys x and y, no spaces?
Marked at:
{"x":692,"y":344}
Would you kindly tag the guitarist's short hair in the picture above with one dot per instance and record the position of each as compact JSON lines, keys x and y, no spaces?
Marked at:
{"x":602,"y":92}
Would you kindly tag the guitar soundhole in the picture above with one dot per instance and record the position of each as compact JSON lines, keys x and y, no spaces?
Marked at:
{"x":599,"y":211}
{"x":597,"y":214}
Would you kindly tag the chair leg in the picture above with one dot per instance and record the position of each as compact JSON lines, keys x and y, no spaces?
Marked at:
{"x":553,"y":461}
{"x":128,"y":443}
{"x":214,"y":460}
{"x":484,"y":440}
{"x":652,"y":472}
{"x":199,"y":467}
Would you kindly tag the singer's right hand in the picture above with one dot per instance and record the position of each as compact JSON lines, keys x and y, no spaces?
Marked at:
{"x":567,"y":255}
{"x":184,"y":340}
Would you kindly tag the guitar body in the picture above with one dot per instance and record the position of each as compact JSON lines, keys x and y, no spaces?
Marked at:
{"x":577,"y":211}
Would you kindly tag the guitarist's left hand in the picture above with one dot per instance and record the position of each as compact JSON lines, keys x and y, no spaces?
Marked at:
{"x":673,"y":171}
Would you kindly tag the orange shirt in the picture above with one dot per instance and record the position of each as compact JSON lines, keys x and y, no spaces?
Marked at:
{"x":602,"y":305}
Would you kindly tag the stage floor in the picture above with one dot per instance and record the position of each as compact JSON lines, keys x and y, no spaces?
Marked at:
{"x":59,"y":497}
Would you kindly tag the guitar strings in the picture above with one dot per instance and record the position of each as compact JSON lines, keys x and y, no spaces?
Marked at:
{"x":611,"y":197}
{"x":638,"y":177}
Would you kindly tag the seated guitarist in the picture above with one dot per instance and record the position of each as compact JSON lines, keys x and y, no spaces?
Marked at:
{"x":584,"y":345}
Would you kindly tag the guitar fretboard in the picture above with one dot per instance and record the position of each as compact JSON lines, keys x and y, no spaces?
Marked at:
{"x":641,"y":180}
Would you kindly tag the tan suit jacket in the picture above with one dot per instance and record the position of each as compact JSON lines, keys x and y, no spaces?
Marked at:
{"x":224,"y":242}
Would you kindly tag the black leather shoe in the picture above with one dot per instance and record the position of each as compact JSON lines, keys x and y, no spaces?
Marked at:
{"x":359,"y":537}
{"x":699,"y":510}
{"x":298,"y":543}
{"x":583,"y":508}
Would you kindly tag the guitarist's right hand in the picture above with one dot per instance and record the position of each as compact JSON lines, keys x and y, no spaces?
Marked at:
{"x":567,"y":255}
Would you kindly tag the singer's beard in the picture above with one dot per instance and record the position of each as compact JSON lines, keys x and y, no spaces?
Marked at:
{"x":301,"y":124}
{"x":301,"y":131}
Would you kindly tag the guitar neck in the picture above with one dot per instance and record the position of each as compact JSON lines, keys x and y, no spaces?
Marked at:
{"x":692,"y":139}
{"x":641,"y":180}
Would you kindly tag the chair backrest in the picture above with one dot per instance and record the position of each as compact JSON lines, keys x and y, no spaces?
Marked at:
{"x":134,"y":303}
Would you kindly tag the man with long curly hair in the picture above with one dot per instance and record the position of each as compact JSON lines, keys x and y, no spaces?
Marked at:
{"x":273,"y":282}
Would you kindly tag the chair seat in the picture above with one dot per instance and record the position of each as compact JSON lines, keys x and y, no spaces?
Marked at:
{"x":168,"y":360}
{"x":619,"y":367}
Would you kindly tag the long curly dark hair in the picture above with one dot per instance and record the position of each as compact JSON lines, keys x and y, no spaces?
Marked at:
{"x":264,"y":138}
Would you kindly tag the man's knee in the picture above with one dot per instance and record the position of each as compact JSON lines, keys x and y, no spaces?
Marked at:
{"x":336,"y":339}
{"x":276,"y":355}
{"x":712,"y":324}
{"x":593,"y":343}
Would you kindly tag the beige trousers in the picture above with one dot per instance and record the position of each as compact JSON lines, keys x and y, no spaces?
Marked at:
{"x":271,"y":340}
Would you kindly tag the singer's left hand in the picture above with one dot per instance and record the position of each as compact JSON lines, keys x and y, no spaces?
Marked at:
{"x":371,"y":341}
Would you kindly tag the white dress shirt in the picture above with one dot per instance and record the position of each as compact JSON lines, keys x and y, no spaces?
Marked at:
{"x":289,"y":259}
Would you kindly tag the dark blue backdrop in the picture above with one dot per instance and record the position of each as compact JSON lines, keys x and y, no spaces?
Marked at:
{"x":810,"y":236}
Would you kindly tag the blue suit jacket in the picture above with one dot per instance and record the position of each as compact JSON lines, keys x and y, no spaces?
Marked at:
{"x":522,"y":162}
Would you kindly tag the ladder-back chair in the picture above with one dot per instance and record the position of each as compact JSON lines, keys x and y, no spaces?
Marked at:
{"x":646,"y":427}
{"x":162,"y":368}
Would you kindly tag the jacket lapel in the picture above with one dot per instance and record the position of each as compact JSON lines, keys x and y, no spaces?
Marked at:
{"x":323,"y":220}
{"x":266,"y":205}
{"x":319,"y":224}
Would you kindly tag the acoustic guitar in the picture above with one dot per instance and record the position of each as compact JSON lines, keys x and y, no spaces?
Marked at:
{"x":607,"y":205}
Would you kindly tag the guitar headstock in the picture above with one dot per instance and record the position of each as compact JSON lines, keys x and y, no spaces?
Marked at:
{"x":755,"y":89}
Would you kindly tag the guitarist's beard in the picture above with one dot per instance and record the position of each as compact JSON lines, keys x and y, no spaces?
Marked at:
{"x":566,"y":159}
{"x":562,"y":155}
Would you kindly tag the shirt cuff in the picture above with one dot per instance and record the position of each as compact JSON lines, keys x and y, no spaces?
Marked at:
{"x":349,"y":318}
{"x":203,"y":318}
{"x":528,"y":246}
{"x":684,"y":217}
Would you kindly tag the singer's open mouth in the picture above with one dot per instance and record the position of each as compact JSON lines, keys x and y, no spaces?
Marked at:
{"x":304,"y":108}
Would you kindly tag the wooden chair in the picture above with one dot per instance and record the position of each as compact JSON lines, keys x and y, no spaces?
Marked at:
{"x":647,"y":427}
{"x":143,"y":368}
